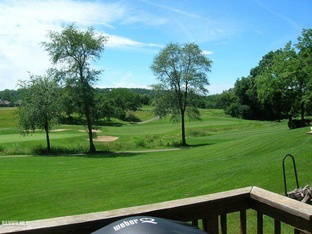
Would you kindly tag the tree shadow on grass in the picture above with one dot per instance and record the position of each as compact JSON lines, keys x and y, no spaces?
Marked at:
{"x":42,"y":151}
{"x":65,"y":152}
{"x":80,"y":152}
{"x":108,"y":154}
{"x":196,"y":145}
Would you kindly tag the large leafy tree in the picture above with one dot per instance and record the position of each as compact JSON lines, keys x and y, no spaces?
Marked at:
{"x":68,"y":102}
{"x":273,"y":84}
{"x":74,"y":50}
{"x":284,"y":83}
{"x":284,"y":77}
{"x":304,"y":47}
{"x":280,"y":86}
{"x":40,"y":107}
{"x":182,"y":72}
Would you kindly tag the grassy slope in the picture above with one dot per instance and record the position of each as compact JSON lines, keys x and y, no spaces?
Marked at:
{"x":8,"y":117}
{"x":228,"y":153}
{"x":156,"y":134}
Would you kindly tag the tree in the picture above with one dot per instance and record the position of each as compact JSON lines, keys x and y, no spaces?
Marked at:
{"x":75,"y":49}
{"x":287,"y":79}
{"x":246,"y":92}
{"x":280,"y":86}
{"x":117,"y":103}
{"x":105,"y":108}
{"x":40,"y":105}
{"x":182,"y":72}
{"x":281,"y":83}
{"x":304,"y":46}
{"x":68,"y":102}
{"x":227,"y":98}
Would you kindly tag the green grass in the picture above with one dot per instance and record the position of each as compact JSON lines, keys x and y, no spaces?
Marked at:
{"x":224,"y":153}
{"x":8,"y":117}
{"x":144,"y":114}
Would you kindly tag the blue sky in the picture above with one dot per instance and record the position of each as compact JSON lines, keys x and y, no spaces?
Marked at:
{"x":233,"y":34}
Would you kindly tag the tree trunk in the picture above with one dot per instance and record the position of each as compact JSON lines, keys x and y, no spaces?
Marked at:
{"x":46,"y":128}
{"x":302,"y":110}
{"x":183,"y":128}
{"x":89,"y":124}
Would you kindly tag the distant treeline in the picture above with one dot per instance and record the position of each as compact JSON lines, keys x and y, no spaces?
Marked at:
{"x":140,"y":96}
{"x":11,"y":97}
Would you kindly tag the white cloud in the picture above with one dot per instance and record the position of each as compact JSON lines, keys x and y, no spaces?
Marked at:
{"x":118,"y":41}
{"x":25,"y":23}
{"x":207,"y":52}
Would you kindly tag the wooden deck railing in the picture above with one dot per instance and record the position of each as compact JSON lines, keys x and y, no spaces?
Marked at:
{"x":210,"y":210}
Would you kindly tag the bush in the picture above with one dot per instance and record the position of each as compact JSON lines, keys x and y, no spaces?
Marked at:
{"x":298,"y":123}
{"x":198,"y":132}
{"x":131,"y":118}
{"x":42,"y":150}
{"x":238,"y":110}
{"x":1,"y":148}
{"x":72,"y":120}
{"x":140,"y":142}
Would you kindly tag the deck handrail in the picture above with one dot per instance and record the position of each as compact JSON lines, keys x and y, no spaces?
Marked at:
{"x":207,"y":208}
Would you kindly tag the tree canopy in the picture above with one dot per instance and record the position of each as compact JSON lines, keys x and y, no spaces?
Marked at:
{"x":74,"y":50}
{"x":118,"y":102}
{"x":280,"y":86}
{"x":182,"y":72}
{"x":40,"y":107}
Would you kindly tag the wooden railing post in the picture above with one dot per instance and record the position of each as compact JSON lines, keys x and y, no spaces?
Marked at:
{"x":212,"y":224}
{"x":223,"y":224}
{"x":205,"y":224}
{"x":259,"y":222}
{"x":195,"y":223}
{"x":277,"y":226}
{"x":243,"y":223}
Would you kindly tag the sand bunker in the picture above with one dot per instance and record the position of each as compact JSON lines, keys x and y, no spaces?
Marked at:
{"x":93,"y":130}
{"x":36,"y":130}
{"x":59,"y":130}
{"x":105,"y":138}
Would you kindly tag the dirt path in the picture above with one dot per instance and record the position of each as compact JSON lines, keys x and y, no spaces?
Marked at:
{"x":16,"y":156}
{"x":149,"y":120}
{"x":59,"y":130}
